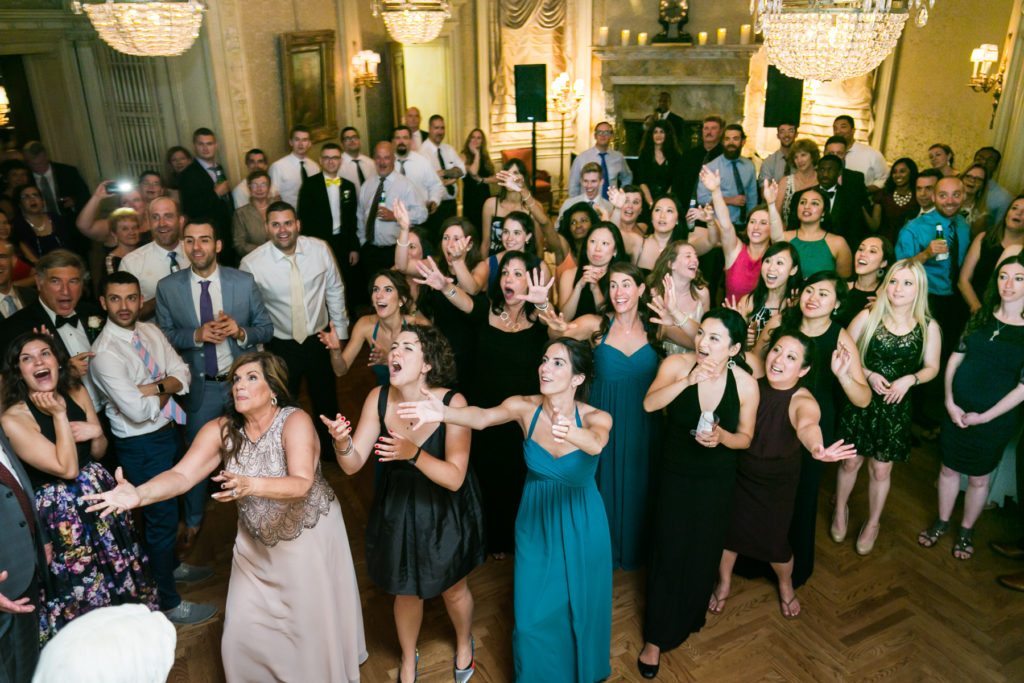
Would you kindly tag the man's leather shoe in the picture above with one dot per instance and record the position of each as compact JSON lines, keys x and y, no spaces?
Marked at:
{"x":1012,"y":581}
{"x":1012,"y":551}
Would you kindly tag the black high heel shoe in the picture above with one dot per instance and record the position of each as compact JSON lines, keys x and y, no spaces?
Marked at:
{"x":648,"y":670}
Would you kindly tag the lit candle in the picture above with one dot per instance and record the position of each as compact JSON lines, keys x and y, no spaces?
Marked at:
{"x":721,"y":36}
{"x":602,"y":36}
{"x":624,"y":37}
{"x":641,"y":39}
{"x":745,"y":34}
{"x":702,"y":38}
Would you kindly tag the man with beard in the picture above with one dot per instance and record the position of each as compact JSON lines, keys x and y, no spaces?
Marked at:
{"x":688,"y":170}
{"x":775,"y":166}
{"x":140,"y":375}
{"x":164,"y":255}
{"x":448,"y":166}
{"x":417,"y":170}
{"x":739,"y":179}
{"x":356,"y":167}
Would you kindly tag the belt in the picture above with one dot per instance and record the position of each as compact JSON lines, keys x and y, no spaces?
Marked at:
{"x":218,"y":378}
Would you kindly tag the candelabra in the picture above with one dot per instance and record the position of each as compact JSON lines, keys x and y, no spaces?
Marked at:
{"x":565,"y":99}
{"x":364,"y":72}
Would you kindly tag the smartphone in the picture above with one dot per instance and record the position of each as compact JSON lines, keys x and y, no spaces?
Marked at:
{"x":120,"y":187}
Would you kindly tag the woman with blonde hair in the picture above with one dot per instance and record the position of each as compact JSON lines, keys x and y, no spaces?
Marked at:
{"x":124,"y":227}
{"x":899,"y":345}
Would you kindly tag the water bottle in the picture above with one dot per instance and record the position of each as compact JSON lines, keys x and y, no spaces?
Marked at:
{"x":941,"y":235}
{"x":693,"y":205}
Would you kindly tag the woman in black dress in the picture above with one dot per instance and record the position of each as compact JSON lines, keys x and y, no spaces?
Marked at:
{"x":582,"y":290}
{"x":711,"y":402}
{"x":658,"y":161}
{"x":768,"y":471}
{"x":509,"y":344}
{"x":424,"y":534}
{"x":873,"y":256}
{"x":985,"y":250}
{"x":476,"y":184}
{"x":984,"y":388}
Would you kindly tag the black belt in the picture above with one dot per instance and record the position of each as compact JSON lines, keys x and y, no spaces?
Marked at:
{"x":219,"y":378}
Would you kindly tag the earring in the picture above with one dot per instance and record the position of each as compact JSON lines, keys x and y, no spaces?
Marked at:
{"x":731,"y":363}
{"x":273,"y":400}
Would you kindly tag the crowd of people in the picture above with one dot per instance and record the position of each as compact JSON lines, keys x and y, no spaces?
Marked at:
{"x":653,"y":376}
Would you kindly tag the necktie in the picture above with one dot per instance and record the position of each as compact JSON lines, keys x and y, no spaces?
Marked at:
{"x":302,"y":169}
{"x":371,"y":217}
{"x":440,"y":160}
{"x":332,"y":182}
{"x":174,"y":266}
{"x":205,"y":316}
{"x":298,"y":296}
{"x":61,"y":321}
{"x":51,"y":199}
{"x":8,"y":479}
{"x":401,"y":166}
{"x":954,"y":253}
{"x":171,"y":409}
{"x":359,"y":173}
{"x":10,"y":307}
{"x":604,"y":172}
{"x":739,"y":187}
{"x":218,"y":172}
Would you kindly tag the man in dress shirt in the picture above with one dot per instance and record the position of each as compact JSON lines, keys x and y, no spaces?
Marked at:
{"x":997,"y":198}
{"x":739,"y":178}
{"x":375,"y":220}
{"x":924,"y":189}
{"x":255,"y":160}
{"x":204,"y":187}
{"x":356,"y":167}
{"x":614,"y":169}
{"x":417,"y":169}
{"x":859,"y":156}
{"x":844,"y":207}
{"x":775,"y":166}
{"x":684,"y":185}
{"x":211,"y":314}
{"x":164,"y":255}
{"x":288,"y":172}
{"x":138,"y":372}
{"x":303,"y":292}
{"x":12,"y":298}
{"x":590,"y":183}
{"x":664,"y":113}
{"x":448,"y":166}
{"x":411,"y":120}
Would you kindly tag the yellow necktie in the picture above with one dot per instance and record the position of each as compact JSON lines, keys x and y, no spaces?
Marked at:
{"x":333,"y":182}
{"x":298,"y":296}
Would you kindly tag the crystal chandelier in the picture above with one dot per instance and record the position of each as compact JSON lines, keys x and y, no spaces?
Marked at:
{"x":411,"y":22}
{"x":832,"y":40}
{"x":146,"y":29}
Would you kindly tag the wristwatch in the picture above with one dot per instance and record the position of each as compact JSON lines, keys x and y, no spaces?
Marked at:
{"x":160,"y":388}
{"x":416,"y":455}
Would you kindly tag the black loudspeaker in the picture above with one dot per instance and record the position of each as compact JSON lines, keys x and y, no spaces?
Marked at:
{"x":531,"y":93}
{"x":783,"y":98}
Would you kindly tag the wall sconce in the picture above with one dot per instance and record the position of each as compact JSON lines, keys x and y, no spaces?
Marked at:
{"x":364,"y":72}
{"x":983,"y":58}
{"x":565,"y":99}
{"x":5,"y":107}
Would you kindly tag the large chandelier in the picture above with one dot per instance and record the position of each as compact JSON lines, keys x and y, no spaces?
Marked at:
{"x":146,"y":29}
{"x":412,"y":22}
{"x":832,"y":40}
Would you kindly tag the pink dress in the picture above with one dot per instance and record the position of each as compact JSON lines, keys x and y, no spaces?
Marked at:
{"x":741,"y":277}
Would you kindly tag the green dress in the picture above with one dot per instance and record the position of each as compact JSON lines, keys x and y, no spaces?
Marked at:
{"x":815,"y":256}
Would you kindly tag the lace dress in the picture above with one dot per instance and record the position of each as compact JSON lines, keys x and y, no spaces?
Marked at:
{"x":293,"y":611}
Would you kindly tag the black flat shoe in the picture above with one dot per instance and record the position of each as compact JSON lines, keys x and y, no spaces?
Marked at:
{"x":647,"y":670}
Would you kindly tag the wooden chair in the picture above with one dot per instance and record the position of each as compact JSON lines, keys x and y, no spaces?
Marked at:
{"x":542,"y":190}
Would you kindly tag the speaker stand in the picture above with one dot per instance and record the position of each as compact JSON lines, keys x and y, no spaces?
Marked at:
{"x":533,"y":153}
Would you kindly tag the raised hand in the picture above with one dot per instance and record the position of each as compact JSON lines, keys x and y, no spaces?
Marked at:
{"x":617,"y":197}
{"x":537,"y":288}
{"x":841,"y":360}
{"x":732,"y":303}
{"x":508,"y":180}
{"x":339,"y":428}
{"x":49,"y":402}
{"x":710,"y":179}
{"x":771,"y":191}
{"x":459,"y":247}
{"x":431,"y":275}
{"x":330,"y":338}
{"x":705,"y":370}
{"x":401,"y":213}
{"x":555,"y":321}
{"x":835,"y":452}
{"x":121,"y":498}
{"x":394,"y":447}
{"x":429,"y":410}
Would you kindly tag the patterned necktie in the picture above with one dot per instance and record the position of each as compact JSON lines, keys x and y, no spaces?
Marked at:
{"x":8,"y":479}
{"x":174,"y":266}
{"x":371,"y":217}
{"x":302,"y":169}
{"x":604,"y":173}
{"x":48,"y":195}
{"x":9,"y":306}
{"x":440,"y":160}
{"x":171,"y":409}
{"x":205,"y":316}
{"x":739,"y":188}
{"x":401,"y":166}
{"x":359,"y":173}
{"x":300,"y":327}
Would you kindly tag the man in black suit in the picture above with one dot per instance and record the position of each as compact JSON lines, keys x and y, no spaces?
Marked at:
{"x":852,"y":180}
{"x":73,"y":323}
{"x":62,"y":187}
{"x":327,"y":209}
{"x":664,"y":113}
{"x":23,"y":561}
{"x":205,"y":190}
{"x":844,"y":211}
{"x":12,"y":297}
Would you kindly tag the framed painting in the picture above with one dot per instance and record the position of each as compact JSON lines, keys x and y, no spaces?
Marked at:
{"x":307,"y":64}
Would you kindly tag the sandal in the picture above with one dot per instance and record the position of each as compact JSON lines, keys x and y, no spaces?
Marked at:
{"x":964,"y":544}
{"x":930,"y":536}
{"x":786,"y":607}
{"x":717,"y":605}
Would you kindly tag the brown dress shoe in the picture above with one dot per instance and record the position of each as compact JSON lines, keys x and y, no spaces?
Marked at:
{"x":1012,"y":581}
{"x":1012,"y":551}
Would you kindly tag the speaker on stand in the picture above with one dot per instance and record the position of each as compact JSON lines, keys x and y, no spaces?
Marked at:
{"x":531,"y":104}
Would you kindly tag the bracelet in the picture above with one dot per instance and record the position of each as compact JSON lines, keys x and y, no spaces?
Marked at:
{"x":402,"y":244}
{"x":345,"y":451}
{"x":416,"y":455}
{"x":542,"y":307}
{"x":451,"y":293}
{"x":916,"y":380}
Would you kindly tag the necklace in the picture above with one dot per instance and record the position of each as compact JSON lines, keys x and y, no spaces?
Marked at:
{"x":508,"y":321}
{"x":37,"y":228}
{"x":902,"y":198}
{"x":999,"y":328}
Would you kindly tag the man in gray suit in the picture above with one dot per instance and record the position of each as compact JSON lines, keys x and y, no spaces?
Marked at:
{"x":23,"y":560}
{"x":211,"y":314}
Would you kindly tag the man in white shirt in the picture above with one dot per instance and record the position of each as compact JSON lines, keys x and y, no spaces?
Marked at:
{"x":776,"y":166}
{"x":448,"y":166}
{"x":255,"y":160}
{"x":375,"y":218}
{"x":614,"y":169}
{"x":417,"y":169}
{"x":590,"y":182}
{"x":12,"y":298}
{"x":303,"y":292}
{"x":288,"y":172}
{"x":412,"y":122}
{"x":356,"y":167}
{"x":154,"y":261}
{"x":140,"y":375}
{"x":859,"y":156}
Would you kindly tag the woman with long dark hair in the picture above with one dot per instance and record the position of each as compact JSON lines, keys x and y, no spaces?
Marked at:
{"x":780,"y":278}
{"x":517,"y":234}
{"x":573,"y":226}
{"x":894,"y":204}
{"x":711,"y":401}
{"x":940,"y":156}
{"x":985,"y":251}
{"x":514,"y":194}
{"x":36,"y":230}
{"x":678,"y":291}
{"x":819,"y":249}
{"x":873,"y":257}
{"x":659,"y":158}
{"x":476,"y":184}
{"x":582,"y":290}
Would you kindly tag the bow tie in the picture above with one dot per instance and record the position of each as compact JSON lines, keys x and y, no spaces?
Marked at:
{"x":69,"y":320}
{"x":333,"y":182}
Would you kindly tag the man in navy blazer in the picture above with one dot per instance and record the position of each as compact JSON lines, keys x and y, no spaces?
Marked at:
{"x":22,"y":566}
{"x":211,"y":314}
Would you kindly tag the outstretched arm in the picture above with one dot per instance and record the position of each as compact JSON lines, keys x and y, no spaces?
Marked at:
{"x":431,"y":409}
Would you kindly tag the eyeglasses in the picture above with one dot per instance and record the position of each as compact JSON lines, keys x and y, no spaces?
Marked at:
{"x":979,"y":178}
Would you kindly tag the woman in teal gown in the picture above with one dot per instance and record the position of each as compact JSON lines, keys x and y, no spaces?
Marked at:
{"x":625,"y":363}
{"x":563,"y":564}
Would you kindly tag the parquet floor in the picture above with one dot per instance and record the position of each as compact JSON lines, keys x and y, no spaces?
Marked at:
{"x":901,"y":614}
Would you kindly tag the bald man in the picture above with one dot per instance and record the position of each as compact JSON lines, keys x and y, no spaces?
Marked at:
{"x":412,"y":120}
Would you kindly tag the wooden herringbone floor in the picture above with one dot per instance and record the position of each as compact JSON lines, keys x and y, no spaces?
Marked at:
{"x":902,"y":614}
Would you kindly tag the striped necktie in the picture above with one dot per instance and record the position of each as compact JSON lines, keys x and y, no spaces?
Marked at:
{"x":171,"y":409}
